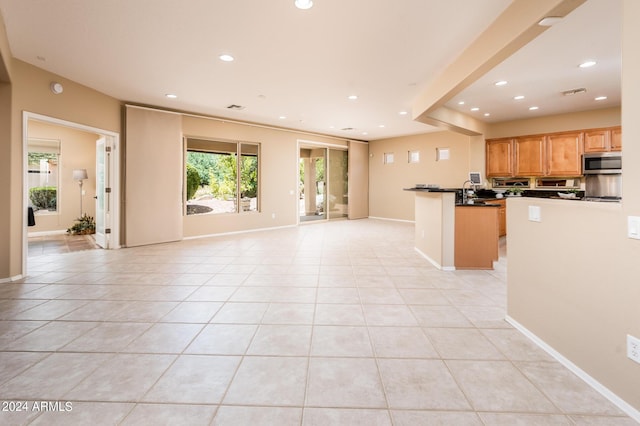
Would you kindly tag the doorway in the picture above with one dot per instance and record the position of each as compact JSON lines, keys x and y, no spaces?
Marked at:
{"x":322,"y":183}
{"x":86,"y":182}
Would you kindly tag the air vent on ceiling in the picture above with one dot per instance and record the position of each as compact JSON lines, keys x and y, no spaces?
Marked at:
{"x":574,"y":91}
{"x":236,"y":107}
{"x":346,"y":129}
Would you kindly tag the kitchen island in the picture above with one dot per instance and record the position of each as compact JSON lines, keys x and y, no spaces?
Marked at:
{"x":453,"y":235}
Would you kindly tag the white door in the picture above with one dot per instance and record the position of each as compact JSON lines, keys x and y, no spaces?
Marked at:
{"x":103,"y":192}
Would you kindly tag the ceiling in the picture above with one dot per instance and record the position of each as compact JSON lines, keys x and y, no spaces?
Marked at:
{"x":296,"y":68}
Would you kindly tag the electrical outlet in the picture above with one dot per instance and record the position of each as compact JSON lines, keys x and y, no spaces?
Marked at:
{"x":633,"y":348}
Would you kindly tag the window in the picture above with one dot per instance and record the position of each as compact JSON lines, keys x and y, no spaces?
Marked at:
{"x":213,"y":182}
{"x":43,"y":159}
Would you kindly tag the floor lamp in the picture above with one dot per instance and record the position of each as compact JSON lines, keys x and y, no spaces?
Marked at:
{"x":80,"y":175}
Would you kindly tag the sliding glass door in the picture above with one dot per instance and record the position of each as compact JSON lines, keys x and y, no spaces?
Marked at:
{"x":322,"y":183}
{"x":338,"y":198}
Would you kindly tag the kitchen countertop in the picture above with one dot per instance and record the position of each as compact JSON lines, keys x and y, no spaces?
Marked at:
{"x":430,"y":189}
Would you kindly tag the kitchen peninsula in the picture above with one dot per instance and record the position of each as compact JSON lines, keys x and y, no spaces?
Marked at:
{"x":453,"y":235}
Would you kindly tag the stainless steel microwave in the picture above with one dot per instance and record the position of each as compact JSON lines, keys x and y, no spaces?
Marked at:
{"x":602,"y":163}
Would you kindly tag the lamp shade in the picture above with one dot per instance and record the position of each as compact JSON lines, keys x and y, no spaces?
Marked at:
{"x":80,"y":174}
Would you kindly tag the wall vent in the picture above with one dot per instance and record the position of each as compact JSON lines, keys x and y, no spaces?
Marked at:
{"x":574,"y":91}
{"x":236,"y":107}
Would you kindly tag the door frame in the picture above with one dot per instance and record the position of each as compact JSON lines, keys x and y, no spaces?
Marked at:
{"x":307,"y":143}
{"x":114,"y":175}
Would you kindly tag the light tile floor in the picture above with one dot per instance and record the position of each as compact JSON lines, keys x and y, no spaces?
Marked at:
{"x":339,"y":323}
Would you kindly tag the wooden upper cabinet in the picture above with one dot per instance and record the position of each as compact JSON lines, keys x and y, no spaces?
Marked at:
{"x":564,"y":154}
{"x":499,"y":158}
{"x":530,"y":156}
{"x":603,"y":140}
{"x":616,"y":139}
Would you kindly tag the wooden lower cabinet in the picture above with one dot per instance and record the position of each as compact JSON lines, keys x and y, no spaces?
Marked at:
{"x":502,"y":216}
{"x":476,"y":237}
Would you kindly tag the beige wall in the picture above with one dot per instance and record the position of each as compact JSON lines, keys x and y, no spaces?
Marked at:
{"x":30,"y":92}
{"x":573,"y":278}
{"x":278,"y":175}
{"x":6,"y":252}
{"x":386,"y":196}
{"x":77,"y":151}
{"x":154,"y":174}
{"x":608,"y":117}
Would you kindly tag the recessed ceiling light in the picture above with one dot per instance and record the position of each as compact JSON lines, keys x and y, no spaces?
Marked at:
{"x":171,"y":96}
{"x":500,"y":83}
{"x":282,"y":117}
{"x":226,"y":58}
{"x":303,"y":4}
{"x":365,"y":133}
{"x":461,"y":103}
{"x":600,"y":98}
{"x":486,"y":114}
{"x":403,"y":113}
{"x":518,"y":98}
{"x":353,"y":97}
{"x":533,"y":108}
{"x":587,"y":64}
{"x":475,"y":109}
{"x":381,"y":126}
{"x":549,"y":21}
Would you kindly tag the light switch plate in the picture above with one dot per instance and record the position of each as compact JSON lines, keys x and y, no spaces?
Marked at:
{"x":633,"y":229}
{"x":534,"y":214}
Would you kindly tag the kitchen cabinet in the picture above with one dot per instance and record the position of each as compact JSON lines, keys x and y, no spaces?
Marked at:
{"x":603,"y":140}
{"x":529,"y":156}
{"x":502,"y":216}
{"x":499,"y":157}
{"x":616,"y":139}
{"x":564,"y":154}
{"x":476,"y":237}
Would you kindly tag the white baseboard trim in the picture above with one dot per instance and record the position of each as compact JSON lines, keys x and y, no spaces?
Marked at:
{"x":247,"y":231}
{"x":596,"y":385}
{"x":434,"y":263}
{"x":392,"y":220}
{"x":46,"y":233}
{"x":11,"y":279}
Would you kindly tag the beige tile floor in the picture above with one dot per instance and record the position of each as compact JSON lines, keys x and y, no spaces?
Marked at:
{"x":339,"y":323}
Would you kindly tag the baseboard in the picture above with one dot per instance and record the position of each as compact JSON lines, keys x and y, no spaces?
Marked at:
{"x":434,"y":263}
{"x":392,"y":220}
{"x":596,"y":385}
{"x":46,"y":233}
{"x":247,"y":231}
{"x":11,"y":279}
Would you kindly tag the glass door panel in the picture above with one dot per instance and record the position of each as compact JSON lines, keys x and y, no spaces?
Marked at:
{"x":312,"y":184}
{"x":338,"y":199}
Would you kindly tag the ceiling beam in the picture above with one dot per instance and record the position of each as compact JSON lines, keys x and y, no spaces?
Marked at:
{"x":513,"y":29}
